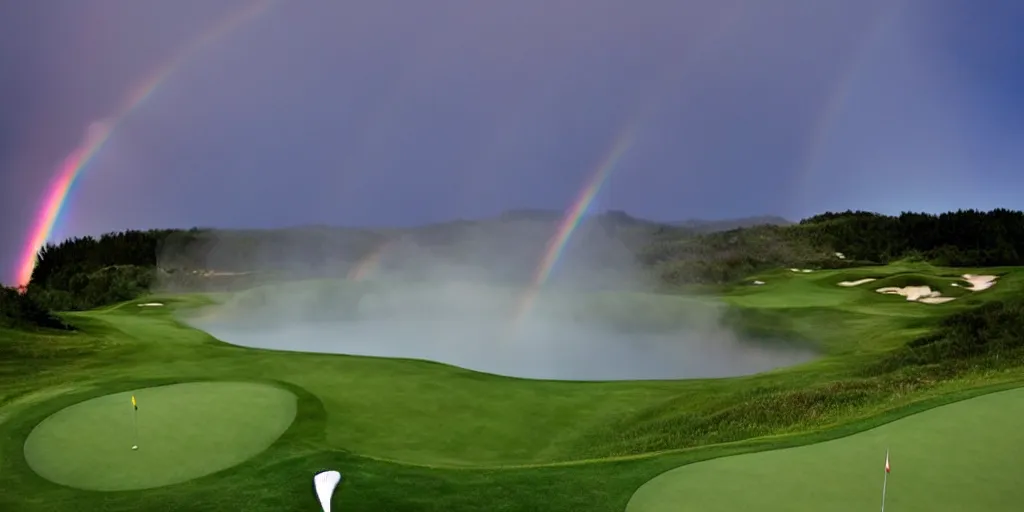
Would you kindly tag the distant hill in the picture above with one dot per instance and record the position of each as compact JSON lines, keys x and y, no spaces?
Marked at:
{"x":711,"y":226}
{"x":609,"y":217}
{"x":604,"y":250}
{"x":621,"y":218}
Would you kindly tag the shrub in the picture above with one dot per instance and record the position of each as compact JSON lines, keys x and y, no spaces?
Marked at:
{"x":20,"y":310}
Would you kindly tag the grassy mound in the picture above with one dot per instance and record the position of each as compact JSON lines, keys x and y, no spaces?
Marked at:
{"x":961,"y":456}
{"x":184,"y":431}
{"x":990,"y":336}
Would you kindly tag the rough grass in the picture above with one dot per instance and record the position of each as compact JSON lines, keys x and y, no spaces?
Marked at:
{"x":412,"y":435}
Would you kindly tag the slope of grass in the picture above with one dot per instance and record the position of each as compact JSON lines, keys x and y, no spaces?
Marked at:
{"x":412,"y":435}
{"x":963,"y":456}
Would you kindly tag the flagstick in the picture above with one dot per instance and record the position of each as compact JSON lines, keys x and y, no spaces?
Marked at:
{"x":135,"y":422}
{"x":885,"y":479}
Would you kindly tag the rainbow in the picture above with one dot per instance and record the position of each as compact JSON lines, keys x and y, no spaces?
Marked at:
{"x":571,"y":220}
{"x":99,"y":132}
{"x":572,"y":217}
{"x":369,"y":263}
{"x":835,"y":103}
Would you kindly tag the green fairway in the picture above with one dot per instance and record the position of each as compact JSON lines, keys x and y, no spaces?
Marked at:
{"x":184,"y":431}
{"x":415,"y":436}
{"x":965,"y":456}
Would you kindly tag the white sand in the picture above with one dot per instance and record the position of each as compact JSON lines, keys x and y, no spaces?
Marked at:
{"x":840,"y":256}
{"x":857,"y":282}
{"x":758,"y":283}
{"x":912,"y":293}
{"x":150,"y":304}
{"x":979,"y":283}
{"x":928,"y":296}
{"x":804,"y":270}
{"x":917,"y":293}
{"x":924,"y":293}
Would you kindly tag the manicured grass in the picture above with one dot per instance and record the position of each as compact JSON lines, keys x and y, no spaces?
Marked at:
{"x":184,"y":431}
{"x":418,"y":436}
{"x":965,"y":456}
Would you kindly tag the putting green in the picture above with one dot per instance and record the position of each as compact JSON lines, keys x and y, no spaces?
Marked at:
{"x":964,"y":456}
{"x":184,"y":431}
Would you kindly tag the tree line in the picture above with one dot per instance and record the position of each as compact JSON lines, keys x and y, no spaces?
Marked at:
{"x":964,"y":238}
{"x":86,"y":272}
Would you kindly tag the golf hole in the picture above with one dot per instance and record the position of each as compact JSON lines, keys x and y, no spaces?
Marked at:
{"x":184,"y":431}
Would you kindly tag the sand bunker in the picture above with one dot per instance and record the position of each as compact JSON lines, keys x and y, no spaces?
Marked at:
{"x":801,"y":270}
{"x":979,"y":283}
{"x":924,"y":293}
{"x":857,"y":282}
{"x":917,"y":293}
{"x":150,"y":304}
{"x":758,"y":283}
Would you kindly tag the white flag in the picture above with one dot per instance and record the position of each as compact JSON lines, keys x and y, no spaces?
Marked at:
{"x":325,"y":482}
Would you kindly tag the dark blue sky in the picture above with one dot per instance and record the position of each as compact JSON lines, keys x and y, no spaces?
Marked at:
{"x":397,"y":112}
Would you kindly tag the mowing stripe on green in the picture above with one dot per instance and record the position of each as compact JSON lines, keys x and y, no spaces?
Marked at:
{"x":964,"y":456}
{"x":185,"y":431}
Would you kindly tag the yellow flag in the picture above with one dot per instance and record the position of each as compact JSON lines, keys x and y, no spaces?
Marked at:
{"x":133,"y":403}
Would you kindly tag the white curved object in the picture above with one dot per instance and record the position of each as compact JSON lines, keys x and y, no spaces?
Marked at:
{"x":324,"y":483}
